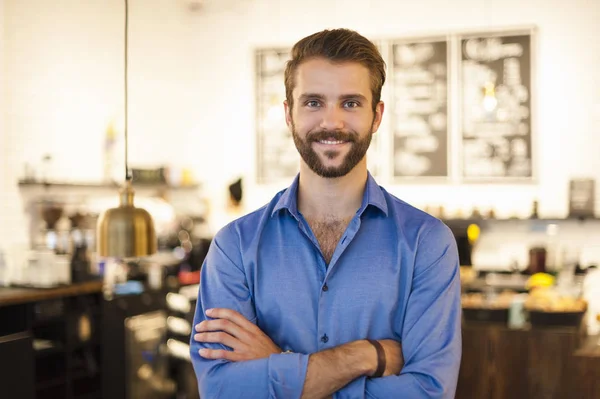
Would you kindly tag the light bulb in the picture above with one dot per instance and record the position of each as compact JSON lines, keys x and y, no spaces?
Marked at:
{"x":489,"y":103}
{"x":489,"y":97}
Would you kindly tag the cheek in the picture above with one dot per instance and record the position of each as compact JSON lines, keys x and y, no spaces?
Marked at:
{"x":360,"y":123}
{"x":305,"y":121}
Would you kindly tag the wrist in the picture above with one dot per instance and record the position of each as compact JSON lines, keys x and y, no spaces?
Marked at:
{"x":369,"y":358}
{"x":380,"y":358}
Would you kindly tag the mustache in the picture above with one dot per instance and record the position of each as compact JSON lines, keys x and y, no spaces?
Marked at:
{"x":335,"y":135}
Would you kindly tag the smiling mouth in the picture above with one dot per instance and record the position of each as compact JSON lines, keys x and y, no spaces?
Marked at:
{"x":331,"y":142}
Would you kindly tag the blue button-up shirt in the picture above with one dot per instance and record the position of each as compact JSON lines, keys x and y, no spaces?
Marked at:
{"x":394,"y":275}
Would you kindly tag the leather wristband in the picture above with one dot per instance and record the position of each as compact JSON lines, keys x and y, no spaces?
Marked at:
{"x":380,"y":358}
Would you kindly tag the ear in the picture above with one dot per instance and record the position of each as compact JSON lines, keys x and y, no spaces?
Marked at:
{"x":378,"y":116}
{"x":288,"y":114}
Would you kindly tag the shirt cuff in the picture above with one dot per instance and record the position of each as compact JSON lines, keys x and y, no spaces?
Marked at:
{"x":287,"y":372}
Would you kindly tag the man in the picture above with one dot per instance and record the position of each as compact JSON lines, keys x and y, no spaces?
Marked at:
{"x":335,"y":288}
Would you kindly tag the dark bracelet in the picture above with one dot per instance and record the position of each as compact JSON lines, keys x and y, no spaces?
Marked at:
{"x":380,"y":358}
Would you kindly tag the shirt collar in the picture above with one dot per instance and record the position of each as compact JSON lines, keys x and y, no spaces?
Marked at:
{"x":288,"y":199}
{"x":373,"y":196}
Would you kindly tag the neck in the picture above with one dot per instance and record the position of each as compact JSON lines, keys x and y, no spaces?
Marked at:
{"x":327,"y":198}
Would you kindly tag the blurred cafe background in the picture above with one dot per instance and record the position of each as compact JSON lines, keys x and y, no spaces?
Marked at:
{"x":492,"y":124}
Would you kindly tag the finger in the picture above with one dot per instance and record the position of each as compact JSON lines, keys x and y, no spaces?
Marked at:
{"x":218,"y":354}
{"x":233,"y":316}
{"x":220,"y":325}
{"x":218,"y":338}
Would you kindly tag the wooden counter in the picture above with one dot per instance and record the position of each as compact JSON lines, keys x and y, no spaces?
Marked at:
{"x":498,"y":362}
{"x":56,"y":333}
{"x":15,"y":296}
{"x":589,"y":348}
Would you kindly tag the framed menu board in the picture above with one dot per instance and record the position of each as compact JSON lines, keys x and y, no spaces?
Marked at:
{"x":276,"y":156}
{"x":582,"y":197}
{"x":376,"y":161}
{"x":420,"y":77}
{"x":496,"y":106}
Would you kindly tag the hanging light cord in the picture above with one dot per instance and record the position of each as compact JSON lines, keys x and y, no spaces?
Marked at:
{"x":127,"y":176}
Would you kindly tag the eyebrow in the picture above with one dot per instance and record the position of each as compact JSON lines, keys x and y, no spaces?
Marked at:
{"x":352,"y":96}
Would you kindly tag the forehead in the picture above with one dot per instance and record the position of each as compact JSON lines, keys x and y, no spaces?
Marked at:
{"x":332,"y":79}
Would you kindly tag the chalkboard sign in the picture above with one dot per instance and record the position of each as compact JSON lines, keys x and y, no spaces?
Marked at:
{"x":420,"y":108}
{"x":495,"y":77}
{"x":276,"y":156}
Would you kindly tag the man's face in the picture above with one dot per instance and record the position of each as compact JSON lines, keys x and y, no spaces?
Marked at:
{"x":332,"y":119}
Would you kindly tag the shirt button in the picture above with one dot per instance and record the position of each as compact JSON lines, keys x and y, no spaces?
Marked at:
{"x":325,"y":288}
{"x":324,"y":338}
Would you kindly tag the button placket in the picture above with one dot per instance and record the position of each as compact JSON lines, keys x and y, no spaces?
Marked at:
{"x":322,"y":318}
{"x":344,"y":242}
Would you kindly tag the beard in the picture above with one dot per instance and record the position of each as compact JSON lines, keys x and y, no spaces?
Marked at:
{"x":357,"y":152}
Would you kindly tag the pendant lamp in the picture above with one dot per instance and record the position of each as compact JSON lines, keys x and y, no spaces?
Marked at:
{"x":126,"y":231}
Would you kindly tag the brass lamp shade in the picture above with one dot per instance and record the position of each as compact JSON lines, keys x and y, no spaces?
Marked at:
{"x":126,"y":231}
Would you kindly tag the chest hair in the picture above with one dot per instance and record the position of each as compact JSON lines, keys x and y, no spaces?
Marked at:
{"x":328,"y":232}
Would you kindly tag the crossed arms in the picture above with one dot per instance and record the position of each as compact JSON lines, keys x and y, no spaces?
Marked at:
{"x":328,"y":371}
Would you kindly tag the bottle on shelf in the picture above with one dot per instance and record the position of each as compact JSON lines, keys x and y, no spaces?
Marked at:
{"x":110,"y":140}
{"x":534,"y":211}
{"x":553,"y":254}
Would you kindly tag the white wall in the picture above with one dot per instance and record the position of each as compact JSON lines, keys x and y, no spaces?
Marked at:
{"x":3,"y":166}
{"x":191,"y":91}
{"x":8,"y":198}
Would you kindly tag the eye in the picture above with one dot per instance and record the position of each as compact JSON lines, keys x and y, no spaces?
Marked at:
{"x":351,"y":104}
{"x":312,"y":104}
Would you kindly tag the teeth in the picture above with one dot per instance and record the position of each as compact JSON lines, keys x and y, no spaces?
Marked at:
{"x":330,"y":142}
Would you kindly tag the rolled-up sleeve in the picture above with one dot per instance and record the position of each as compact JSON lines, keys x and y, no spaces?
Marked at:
{"x":223,"y":284}
{"x":431,"y":332}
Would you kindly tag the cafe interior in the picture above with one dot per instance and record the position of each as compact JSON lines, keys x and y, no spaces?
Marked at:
{"x":167,"y":115}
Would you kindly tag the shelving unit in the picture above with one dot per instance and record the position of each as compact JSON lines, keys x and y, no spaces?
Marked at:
{"x":71,"y":367}
{"x":99,"y":185}
{"x":89,"y":198}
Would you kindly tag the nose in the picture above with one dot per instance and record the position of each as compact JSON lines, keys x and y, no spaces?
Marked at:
{"x":332,"y":119}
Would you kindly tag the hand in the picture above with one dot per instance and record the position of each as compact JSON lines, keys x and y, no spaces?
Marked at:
{"x":232,"y":329}
{"x":394,"y":360}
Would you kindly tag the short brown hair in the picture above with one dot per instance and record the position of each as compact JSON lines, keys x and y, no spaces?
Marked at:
{"x":337,"y":45}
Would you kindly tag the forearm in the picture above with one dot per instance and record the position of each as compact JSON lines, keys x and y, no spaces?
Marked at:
{"x":280,"y":375}
{"x":332,"y":369}
{"x":405,"y":385}
{"x":409,"y":385}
